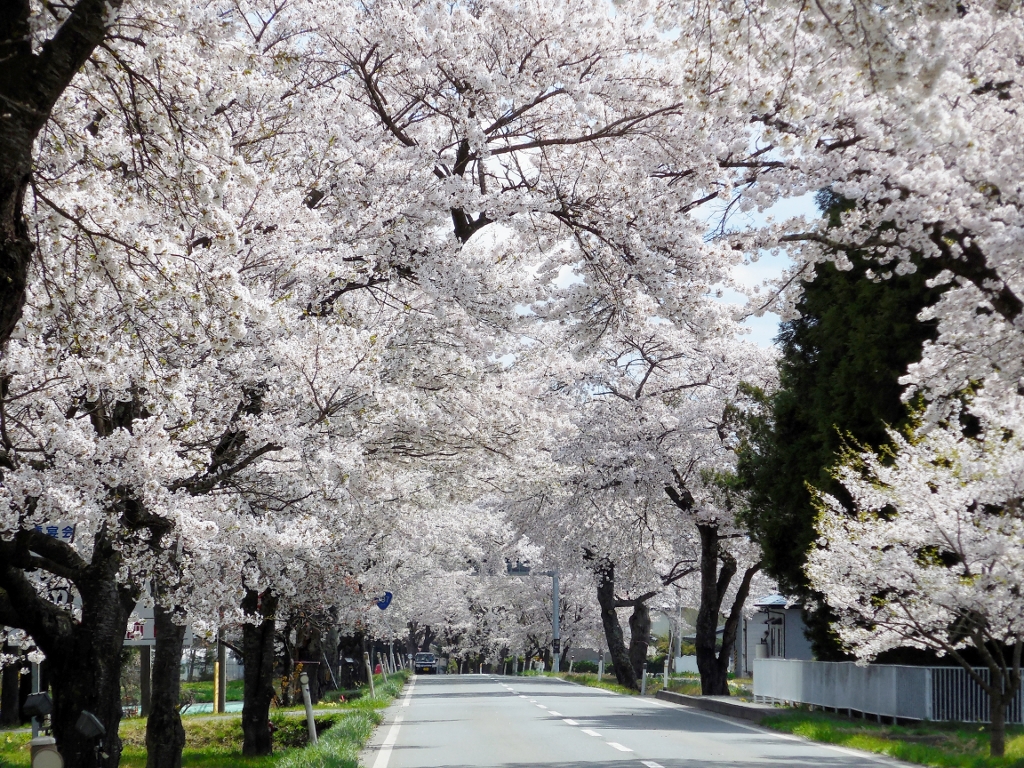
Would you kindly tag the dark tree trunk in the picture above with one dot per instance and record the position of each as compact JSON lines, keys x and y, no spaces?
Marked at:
{"x":87,"y":675}
{"x":258,"y":653}
{"x":84,"y":657}
{"x":309,"y":653}
{"x":624,"y":672}
{"x":10,"y":685}
{"x":714,"y":679}
{"x":428,"y":638}
{"x":165,"y":736}
{"x":286,"y":666}
{"x":712,"y":662}
{"x":30,"y":84}
{"x":997,"y":729}
{"x":639,"y":636}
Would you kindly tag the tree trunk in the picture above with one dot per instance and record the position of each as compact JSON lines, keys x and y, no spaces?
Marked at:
{"x":309,"y":653}
{"x":258,"y":653}
{"x":31,"y":82}
{"x":428,"y":638}
{"x":165,"y":736}
{"x":10,"y":710}
{"x":714,"y":679}
{"x":639,"y":636}
{"x":997,"y":729}
{"x":621,"y":663}
{"x":87,"y":675}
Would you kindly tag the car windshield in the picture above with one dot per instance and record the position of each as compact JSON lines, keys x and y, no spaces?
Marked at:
{"x":424,"y":657}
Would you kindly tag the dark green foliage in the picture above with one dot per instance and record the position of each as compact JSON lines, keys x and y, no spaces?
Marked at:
{"x":839,"y":382}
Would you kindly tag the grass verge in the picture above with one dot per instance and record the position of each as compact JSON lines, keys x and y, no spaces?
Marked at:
{"x":687,"y":685}
{"x":944,"y":746}
{"x":203,"y":691}
{"x":216,"y":742}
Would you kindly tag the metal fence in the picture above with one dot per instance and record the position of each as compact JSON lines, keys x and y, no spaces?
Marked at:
{"x":915,"y":693}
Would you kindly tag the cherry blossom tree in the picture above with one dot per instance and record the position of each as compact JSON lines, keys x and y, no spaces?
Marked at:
{"x":636,"y":487}
{"x":932,"y":558}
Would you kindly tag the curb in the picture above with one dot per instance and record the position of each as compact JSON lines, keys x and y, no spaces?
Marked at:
{"x":752,"y":712}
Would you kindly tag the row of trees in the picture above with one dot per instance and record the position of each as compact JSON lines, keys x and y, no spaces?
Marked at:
{"x":307,"y":302}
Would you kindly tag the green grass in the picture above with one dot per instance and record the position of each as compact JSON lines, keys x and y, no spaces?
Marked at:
{"x":687,"y":685}
{"x":203,"y":691}
{"x":933,"y":744}
{"x":217,"y":742}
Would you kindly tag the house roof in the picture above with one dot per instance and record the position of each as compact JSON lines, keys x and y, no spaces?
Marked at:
{"x":771,"y":601}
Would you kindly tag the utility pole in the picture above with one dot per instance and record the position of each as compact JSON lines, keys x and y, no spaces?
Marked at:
{"x":556,"y":639}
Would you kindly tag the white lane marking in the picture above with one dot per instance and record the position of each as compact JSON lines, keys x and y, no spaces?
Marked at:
{"x":521,"y":696}
{"x":568,"y":721}
{"x":408,"y":695}
{"x":556,"y":714}
{"x":610,"y":744}
{"x":389,"y":742}
{"x":590,"y":732}
{"x":542,"y":706}
{"x":651,"y":764}
{"x":533,"y":701}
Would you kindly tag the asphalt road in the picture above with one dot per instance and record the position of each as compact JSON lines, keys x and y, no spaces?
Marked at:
{"x":459,"y":721}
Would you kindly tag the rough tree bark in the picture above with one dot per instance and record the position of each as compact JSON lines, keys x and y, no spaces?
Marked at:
{"x":714,"y":583}
{"x":309,"y":651}
{"x":258,"y":653}
{"x":639,"y":636}
{"x":165,"y":736}
{"x":625,"y":674}
{"x":10,"y":685}
{"x":85,"y":656}
{"x":30,"y":85}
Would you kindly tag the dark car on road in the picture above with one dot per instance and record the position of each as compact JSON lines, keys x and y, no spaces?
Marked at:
{"x":425,"y":664}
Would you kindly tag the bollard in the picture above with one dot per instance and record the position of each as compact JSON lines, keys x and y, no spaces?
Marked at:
{"x":600,"y":668}
{"x":664,"y":675}
{"x":643,"y":680}
{"x":310,"y":722}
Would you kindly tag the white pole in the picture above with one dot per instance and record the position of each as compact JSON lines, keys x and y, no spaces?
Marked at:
{"x":600,"y":668}
{"x":391,"y":655}
{"x":643,"y":679}
{"x":664,"y":675}
{"x":310,"y":722}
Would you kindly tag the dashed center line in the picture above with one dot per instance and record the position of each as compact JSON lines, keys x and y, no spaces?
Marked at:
{"x":619,"y":746}
{"x":651,"y":764}
{"x":590,"y":732}
{"x":556,"y":714}
{"x":542,"y":706}
{"x":521,"y":696}
{"x":567,"y":720}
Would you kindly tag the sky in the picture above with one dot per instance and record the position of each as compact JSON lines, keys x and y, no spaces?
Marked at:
{"x":764,"y":329}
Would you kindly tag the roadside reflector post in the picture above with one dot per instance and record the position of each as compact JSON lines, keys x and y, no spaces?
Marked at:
{"x":600,"y":668}
{"x":664,"y":675}
{"x":308,"y":704}
{"x":643,"y":679}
